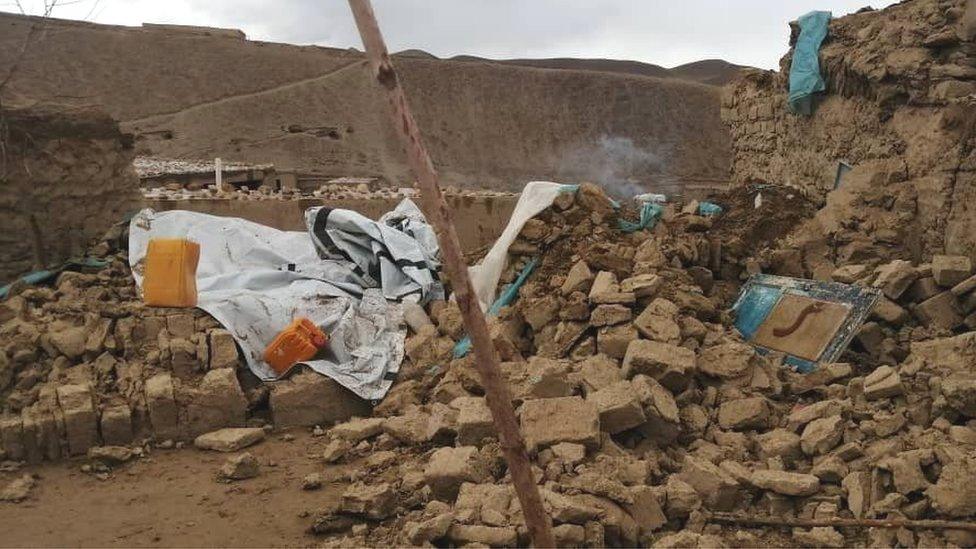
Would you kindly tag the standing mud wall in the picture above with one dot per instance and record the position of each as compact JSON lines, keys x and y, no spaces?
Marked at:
{"x":65,"y":178}
{"x":899,"y":109}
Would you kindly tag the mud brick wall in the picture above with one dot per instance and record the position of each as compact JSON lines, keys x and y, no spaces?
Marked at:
{"x":65,"y":178}
{"x":899,"y":108}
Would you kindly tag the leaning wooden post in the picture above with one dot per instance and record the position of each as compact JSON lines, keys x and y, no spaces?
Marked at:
{"x":497,"y":393}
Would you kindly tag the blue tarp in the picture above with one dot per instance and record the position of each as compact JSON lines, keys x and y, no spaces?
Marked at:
{"x":805,"y":78}
{"x":39,"y":277}
{"x":650,"y":213}
{"x":507,"y":297}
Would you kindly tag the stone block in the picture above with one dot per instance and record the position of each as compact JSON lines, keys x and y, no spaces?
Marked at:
{"x":716,"y":488}
{"x":895,"y":277}
{"x":181,"y":325}
{"x":658,"y":321}
{"x":820,"y":436}
{"x":609,"y":315}
{"x":356,"y":430}
{"x":481,"y":535}
{"x":42,"y":439}
{"x":669,"y":364}
{"x":786,"y":483}
{"x":618,"y":406}
{"x":744,"y":413}
{"x":230,"y":439}
{"x":883,"y":382}
{"x":579,"y":279}
{"x":448,"y":468}
{"x":645,"y":285}
{"x":779,"y":443}
{"x":941,"y":311}
{"x":614,"y":340}
{"x":307,"y":398}
{"x":474,"y":422}
{"x":599,"y":371}
{"x":922,"y":289}
{"x":80,"y":421}
{"x":116,"y":425}
{"x":163,"y":411}
{"x":376,"y":501}
{"x":217,"y":402}
{"x":949,"y":270}
{"x":548,"y":421}
{"x":223,"y":350}
{"x":605,"y":282}
{"x":12,"y":437}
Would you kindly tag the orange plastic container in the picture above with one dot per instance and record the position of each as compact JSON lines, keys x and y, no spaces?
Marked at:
{"x":170,"y":277}
{"x":299,"y":341}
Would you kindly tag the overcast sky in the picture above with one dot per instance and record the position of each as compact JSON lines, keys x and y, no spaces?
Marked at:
{"x":664,"y":32}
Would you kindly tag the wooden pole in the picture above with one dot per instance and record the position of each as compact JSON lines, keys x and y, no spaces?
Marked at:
{"x":928,"y":524}
{"x":497,"y":393}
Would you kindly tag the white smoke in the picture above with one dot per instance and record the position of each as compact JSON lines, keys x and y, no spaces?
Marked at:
{"x":616,"y":163}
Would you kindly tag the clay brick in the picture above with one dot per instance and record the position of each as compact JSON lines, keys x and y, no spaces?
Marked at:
{"x":216,"y":402}
{"x":474,"y":422}
{"x":161,"y":402}
{"x":223,"y":350}
{"x":941,"y":311}
{"x":547,"y":421}
{"x":12,"y":437}
{"x":116,"y":425}
{"x":80,"y":422}
{"x":949,"y":270}
{"x":619,"y":407}
{"x":308,"y":398}
{"x":669,"y":364}
{"x":614,"y":340}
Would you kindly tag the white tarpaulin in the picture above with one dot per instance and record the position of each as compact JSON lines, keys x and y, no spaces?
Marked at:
{"x":255,"y":280}
{"x":535,"y":197}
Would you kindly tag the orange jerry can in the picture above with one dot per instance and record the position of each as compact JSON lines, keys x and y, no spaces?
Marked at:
{"x":299,"y":341}
{"x":170,"y":277}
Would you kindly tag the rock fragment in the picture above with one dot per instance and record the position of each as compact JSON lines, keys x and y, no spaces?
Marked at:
{"x":240,"y":467}
{"x":230,"y":439}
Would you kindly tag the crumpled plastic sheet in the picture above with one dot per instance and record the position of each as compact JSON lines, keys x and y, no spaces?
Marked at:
{"x":255,"y":280}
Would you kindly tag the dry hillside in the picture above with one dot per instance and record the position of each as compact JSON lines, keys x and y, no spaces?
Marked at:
{"x":200,"y":93}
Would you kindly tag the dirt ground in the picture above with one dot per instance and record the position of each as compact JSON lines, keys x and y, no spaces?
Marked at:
{"x":171,"y":498}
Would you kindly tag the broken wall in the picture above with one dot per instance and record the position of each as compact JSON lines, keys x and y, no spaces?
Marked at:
{"x":65,"y":178}
{"x":899,"y":109}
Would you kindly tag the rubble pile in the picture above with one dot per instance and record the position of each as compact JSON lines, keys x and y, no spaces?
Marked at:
{"x":646,"y":415}
{"x":898,"y":111}
{"x":85,"y":363}
{"x":331,"y":191}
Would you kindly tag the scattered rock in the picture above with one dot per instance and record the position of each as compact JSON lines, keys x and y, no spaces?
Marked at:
{"x":240,"y":467}
{"x":230,"y":439}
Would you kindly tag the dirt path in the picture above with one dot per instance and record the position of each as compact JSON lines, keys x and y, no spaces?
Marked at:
{"x":155,"y":117}
{"x":172,"y":499}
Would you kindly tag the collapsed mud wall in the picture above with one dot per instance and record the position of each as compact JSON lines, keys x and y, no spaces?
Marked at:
{"x":65,"y":178}
{"x":201,"y":94}
{"x":899,"y":109}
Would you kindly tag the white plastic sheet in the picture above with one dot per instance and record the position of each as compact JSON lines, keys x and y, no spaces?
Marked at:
{"x":535,"y":197}
{"x":255,"y":280}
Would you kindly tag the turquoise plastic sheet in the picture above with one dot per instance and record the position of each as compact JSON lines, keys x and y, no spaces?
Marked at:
{"x":805,"y":77}
{"x":39,"y":277}
{"x":507,"y":297}
{"x":649,"y":216}
{"x":709,"y":209}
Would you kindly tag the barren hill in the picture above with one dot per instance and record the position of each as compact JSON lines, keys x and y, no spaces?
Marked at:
{"x":199,"y":93}
{"x":715,"y":72}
